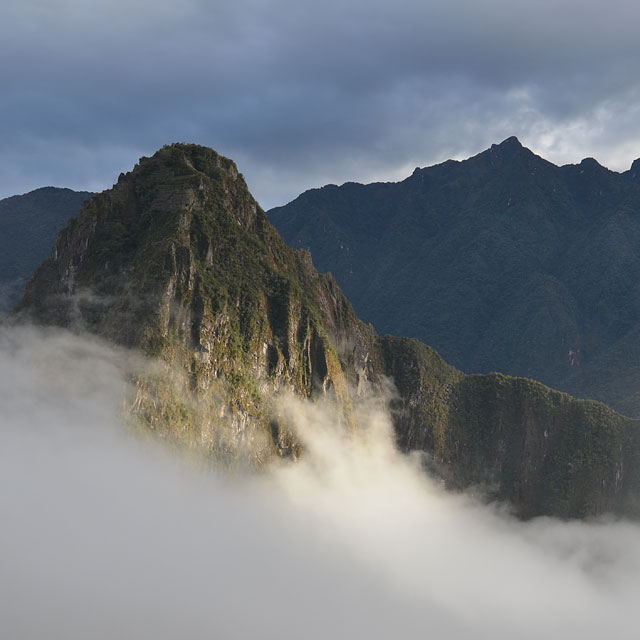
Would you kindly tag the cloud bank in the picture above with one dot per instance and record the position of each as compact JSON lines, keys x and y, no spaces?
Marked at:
{"x":304,"y":93}
{"x":104,"y":535}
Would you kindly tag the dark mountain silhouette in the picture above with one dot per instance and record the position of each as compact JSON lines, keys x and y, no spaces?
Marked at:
{"x":28,"y":227}
{"x":502,"y":262}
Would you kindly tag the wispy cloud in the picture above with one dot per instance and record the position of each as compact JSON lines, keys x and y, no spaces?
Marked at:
{"x":106,"y":536}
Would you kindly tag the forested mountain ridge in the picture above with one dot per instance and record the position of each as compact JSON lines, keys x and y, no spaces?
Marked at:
{"x":502,"y":262}
{"x":29,"y":224}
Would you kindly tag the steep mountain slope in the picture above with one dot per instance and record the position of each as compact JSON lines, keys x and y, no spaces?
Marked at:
{"x":179,"y":261}
{"x":28,"y":227}
{"x":503,"y":262}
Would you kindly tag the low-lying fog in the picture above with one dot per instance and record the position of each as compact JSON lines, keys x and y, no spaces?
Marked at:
{"x":106,"y":536}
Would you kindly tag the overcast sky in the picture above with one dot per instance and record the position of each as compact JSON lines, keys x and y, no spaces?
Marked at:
{"x":304,"y":93}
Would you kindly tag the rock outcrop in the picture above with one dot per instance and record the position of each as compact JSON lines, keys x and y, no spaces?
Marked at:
{"x":178,"y":260}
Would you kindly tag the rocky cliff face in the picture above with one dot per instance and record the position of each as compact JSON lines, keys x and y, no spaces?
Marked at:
{"x":179,"y":261}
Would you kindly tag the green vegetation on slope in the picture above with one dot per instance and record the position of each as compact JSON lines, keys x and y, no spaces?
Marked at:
{"x":541,"y":450}
{"x":179,"y":260}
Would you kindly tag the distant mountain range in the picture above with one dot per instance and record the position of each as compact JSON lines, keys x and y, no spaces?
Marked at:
{"x":28,"y":227}
{"x":502,"y":262}
{"x":179,"y":262}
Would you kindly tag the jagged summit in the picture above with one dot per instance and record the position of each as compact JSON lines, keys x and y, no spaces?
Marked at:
{"x":509,"y":151}
{"x":511,"y":142}
{"x":205,"y":168}
{"x":187,"y":158}
{"x":125,"y":241}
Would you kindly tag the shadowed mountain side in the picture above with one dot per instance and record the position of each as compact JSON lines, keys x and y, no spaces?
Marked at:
{"x":28,"y":227}
{"x":178,"y":260}
{"x":540,"y":449}
{"x":502,"y":262}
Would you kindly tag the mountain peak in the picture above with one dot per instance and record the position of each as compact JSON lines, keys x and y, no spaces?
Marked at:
{"x":509,"y":143}
{"x":131,"y":237}
{"x":509,"y":148}
{"x":508,"y":152}
{"x":590,"y":162}
{"x":184,"y":158}
{"x":634,"y":172}
{"x":179,"y":261}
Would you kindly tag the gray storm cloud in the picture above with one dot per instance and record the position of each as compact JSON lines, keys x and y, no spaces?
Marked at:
{"x":304,"y":93}
{"x":104,"y":535}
